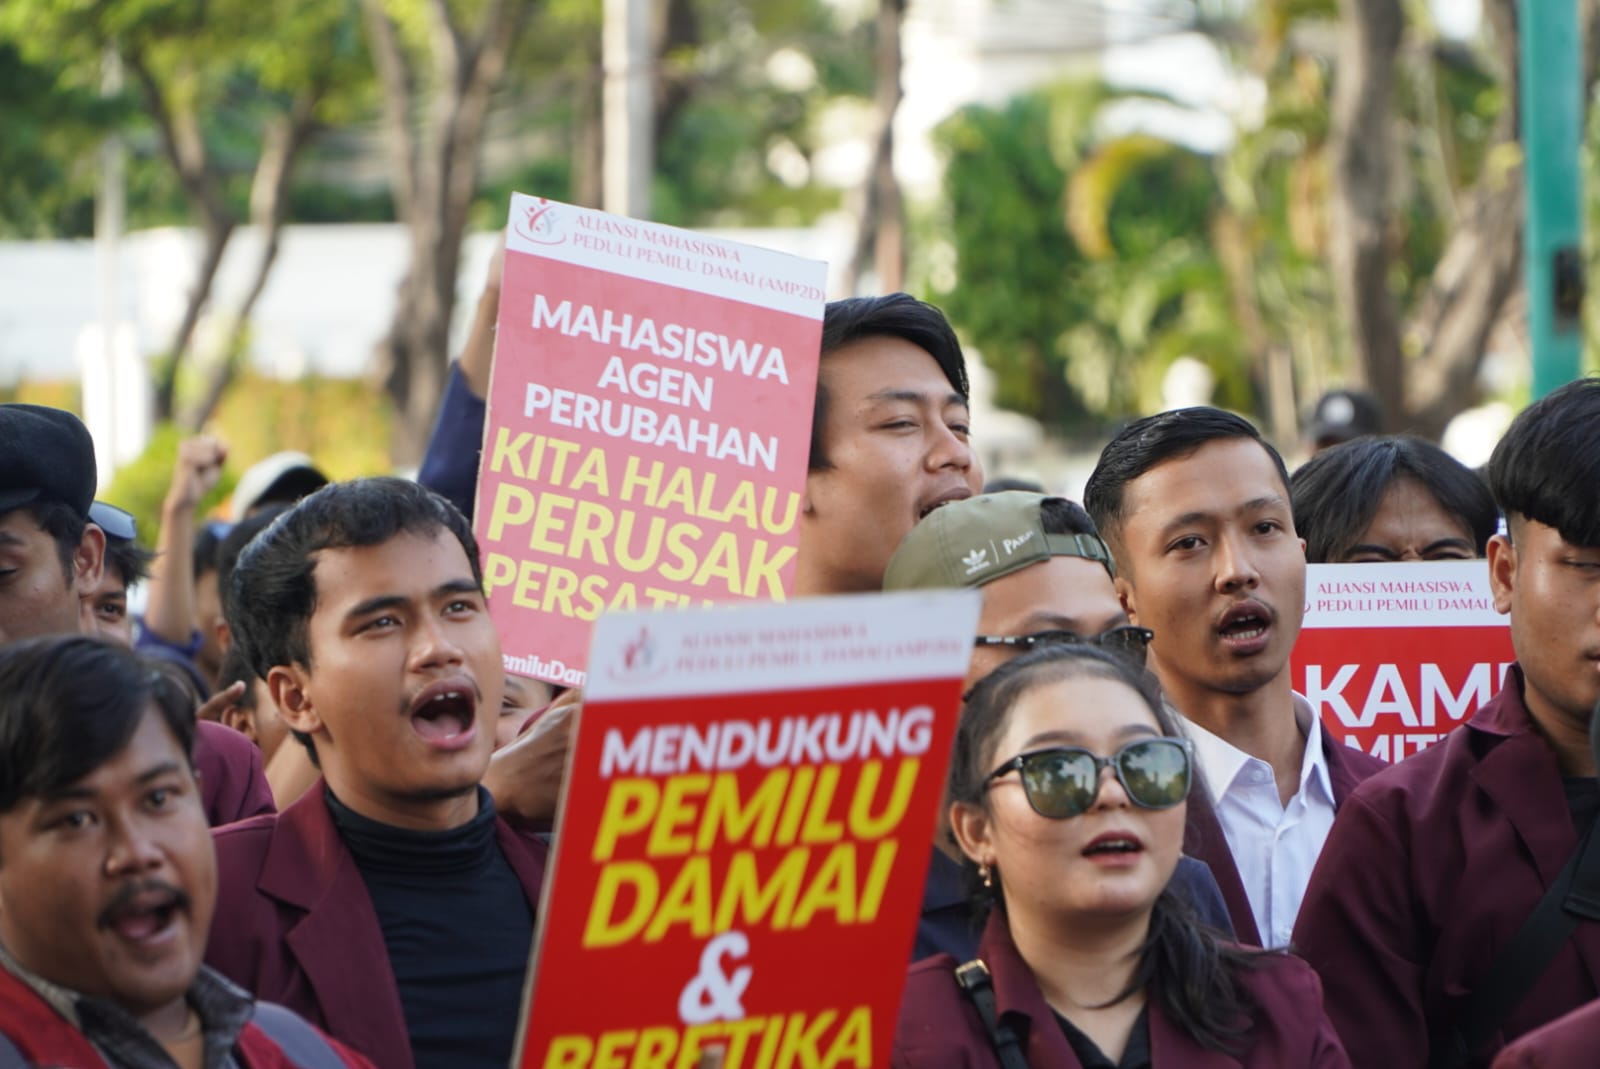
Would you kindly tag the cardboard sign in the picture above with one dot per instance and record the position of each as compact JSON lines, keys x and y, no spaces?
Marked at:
{"x":648,"y":427}
{"x":1393,"y":656}
{"x":744,"y":836}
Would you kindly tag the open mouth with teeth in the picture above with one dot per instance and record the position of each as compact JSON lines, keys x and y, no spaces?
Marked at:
{"x":445,"y":716}
{"x":1245,"y":627}
{"x":932,"y":507}
{"x":144,"y":918}
{"x":1113,"y":845}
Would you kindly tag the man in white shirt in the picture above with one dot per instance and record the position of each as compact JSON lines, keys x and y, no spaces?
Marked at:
{"x":1195,"y":507}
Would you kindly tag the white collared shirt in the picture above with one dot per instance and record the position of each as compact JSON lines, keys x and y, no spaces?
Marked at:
{"x":1274,"y":846}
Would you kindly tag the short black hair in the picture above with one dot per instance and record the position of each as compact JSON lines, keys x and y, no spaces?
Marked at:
{"x":896,"y":315}
{"x":69,"y":704}
{"x":63,"y":523}
{"x":1547,"y":467}
{"x":129,"y":560}
{"x":235,"y":668}
{"x":1057,"y":515}
{"x":1337,"y":492}
{"x":227,"y":553}
{"x":273,"y":589}
{"x":1150,"y":441}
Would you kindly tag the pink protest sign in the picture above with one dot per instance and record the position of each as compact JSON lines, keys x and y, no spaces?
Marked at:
{"x":1394,"y":656}
{"x":648,"y":426}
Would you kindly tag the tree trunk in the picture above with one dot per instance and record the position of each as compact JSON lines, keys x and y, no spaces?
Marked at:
{"x":286,"y":135}
{"x":880,"y":222}
{"x":185,"y":148}
{"x":1361,"y":152}
{"x":435,"y":175}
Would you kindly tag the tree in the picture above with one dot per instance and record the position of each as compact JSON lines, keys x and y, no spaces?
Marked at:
{"x":438,"y":66}
{"x":231,"y":88}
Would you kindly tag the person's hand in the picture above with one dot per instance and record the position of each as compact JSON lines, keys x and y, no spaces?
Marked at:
{"x":525,"y":777}
{"x":196,"y":472}
{"x":213,"y":707}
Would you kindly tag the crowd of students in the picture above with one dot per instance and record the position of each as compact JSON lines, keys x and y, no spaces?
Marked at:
{"x":1152,"y":853}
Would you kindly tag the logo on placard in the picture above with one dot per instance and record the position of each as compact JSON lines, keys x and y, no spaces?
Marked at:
{"x":640,"y":658}
{"x":978,"y":558}
{"x":540,"y":222}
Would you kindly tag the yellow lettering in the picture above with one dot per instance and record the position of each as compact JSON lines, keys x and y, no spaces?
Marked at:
{"x":832,"y":889}
{"x":513,"y":506}
{"x":630,"y":807}
{"x":725,"y":819}
{"x":665,"y":839}
{"x":746,"y":897}
{"x":863,"y":825}
{"x":569,"y":1052}
{"x":687,"y":901}
{"x":602,"y":928}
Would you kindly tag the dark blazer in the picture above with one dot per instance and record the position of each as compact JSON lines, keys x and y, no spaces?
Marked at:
{"x":1203,"y":837}
{"x":1573,"y":1042}
{"x":1429,"y":870}
{"x":295,"y":925}
{"x":233,"y":783}
{"x":940,"y":1029}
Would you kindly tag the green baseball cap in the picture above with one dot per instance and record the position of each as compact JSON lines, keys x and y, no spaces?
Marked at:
{"x":973,"y":542}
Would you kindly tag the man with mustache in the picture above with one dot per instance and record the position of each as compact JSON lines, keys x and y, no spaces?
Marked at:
{"x":108,"y":880}
{"x":1195,"y":507}
{"x":392,"y":905}
{"x":1435,"y":866}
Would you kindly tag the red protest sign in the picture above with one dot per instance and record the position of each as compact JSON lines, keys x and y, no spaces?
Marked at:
{"x":648,"y":426}
{"x":744,"y":835}
{"x":1394,"y":656}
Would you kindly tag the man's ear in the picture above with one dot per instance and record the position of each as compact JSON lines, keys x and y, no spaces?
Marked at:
{"x":241,"y":720}
{"x":89,"y":560}
{"x":223,"y":633}
{"x":1128,"y":596}
{"x":1502,"y":571}
{"x":288,"y":686}
{"x":972,"y":829}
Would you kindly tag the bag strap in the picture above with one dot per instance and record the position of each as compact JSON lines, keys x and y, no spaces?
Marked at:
{"x":294,"y":1036}
{"x":973,"y":977}
{"x":1574,"y":896}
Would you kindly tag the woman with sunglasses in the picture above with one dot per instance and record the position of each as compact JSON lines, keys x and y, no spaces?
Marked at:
{"x":1067,"y":795}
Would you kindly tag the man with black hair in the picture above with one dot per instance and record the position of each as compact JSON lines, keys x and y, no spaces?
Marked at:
{"x":1414,"y":915}
{"x":394,"y":907}
{"x":127,"y":564}
{"x":51,"y":556}
{"x":1194,"y":504}
{"x":889,"y":438}
{"x":108,"y":880}
{"x":1046,"y":578}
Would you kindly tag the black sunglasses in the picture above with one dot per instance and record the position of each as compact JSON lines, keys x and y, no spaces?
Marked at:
{"x":116,"y":523}
{"x":1131,"y":642}
{"x":1064,"y":781}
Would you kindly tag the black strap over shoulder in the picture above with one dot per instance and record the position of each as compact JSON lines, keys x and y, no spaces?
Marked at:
{"x":973,"y":976}
{"x":296,"y":1038}
{"x":1574,"y":896}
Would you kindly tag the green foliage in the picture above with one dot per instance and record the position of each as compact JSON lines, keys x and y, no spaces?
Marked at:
{"x":344,"y":424}
{"x":1080,"y":323}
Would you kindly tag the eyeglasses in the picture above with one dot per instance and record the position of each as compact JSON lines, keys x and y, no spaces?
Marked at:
{"x":116,"y":523}
{"x":1131,"y":642}
{"x":1064,"y":781}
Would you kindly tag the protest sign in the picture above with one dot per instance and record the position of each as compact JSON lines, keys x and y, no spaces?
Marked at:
{"x":648,"y":426}
{"x":749,"y":807}
{"x":1393,"y":656}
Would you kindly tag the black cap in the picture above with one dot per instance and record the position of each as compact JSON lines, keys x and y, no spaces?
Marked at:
{"x":1341,"y":415}
{"x":45,"y":452}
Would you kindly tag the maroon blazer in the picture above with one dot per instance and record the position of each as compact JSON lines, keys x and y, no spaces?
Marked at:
{"x":1428,"y":872}
{"x":233,"y":783}
{"x":1573,"y":1042}
{"x":295,"y":924}
{"x":1203,"y":836}
{"x":940,"y":1029}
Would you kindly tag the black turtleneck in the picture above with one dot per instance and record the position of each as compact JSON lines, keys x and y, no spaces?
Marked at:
{"x":458,"y":928}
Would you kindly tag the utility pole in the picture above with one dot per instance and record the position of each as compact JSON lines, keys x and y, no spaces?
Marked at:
{"x":629,"y":156}
{"x":1551,"y":95}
